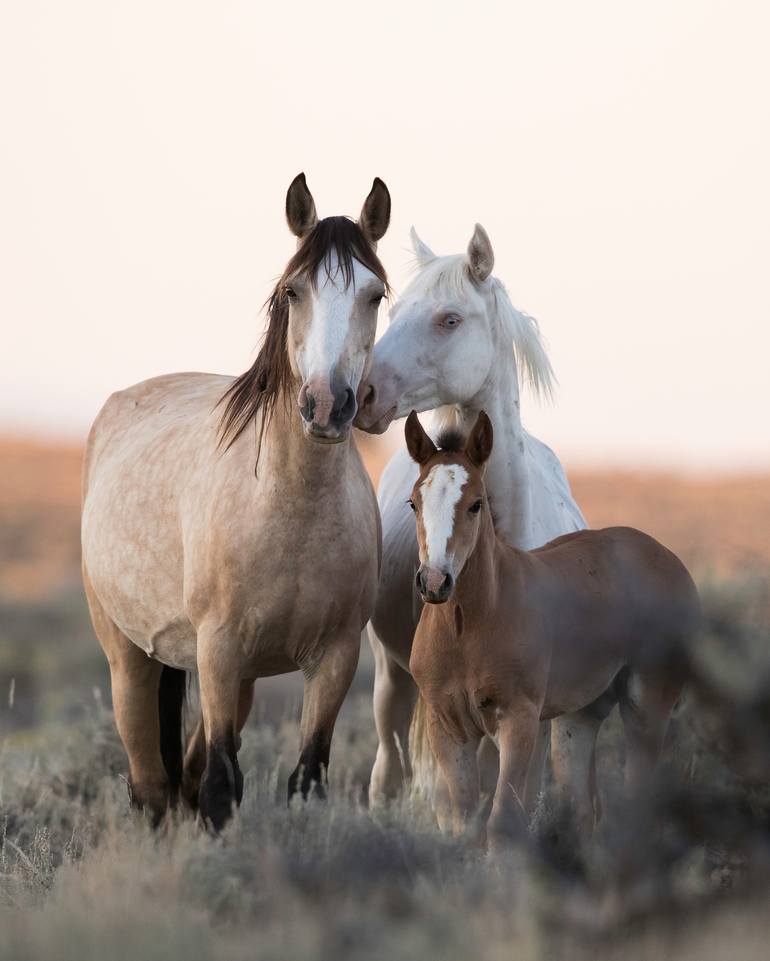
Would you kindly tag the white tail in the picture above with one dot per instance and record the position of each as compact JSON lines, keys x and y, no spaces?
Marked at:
{"x":424,"y":767}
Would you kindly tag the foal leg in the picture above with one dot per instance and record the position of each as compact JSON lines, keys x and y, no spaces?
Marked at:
{"x":459,"y":768}
{"x":135,"y":682}
{"x":395,"y":694}
{"x":518,"y":734}
{"x":646,"y":703}
{"x":195,"y":755}
{"x":573,"y":758}
{"x":325,"y":688}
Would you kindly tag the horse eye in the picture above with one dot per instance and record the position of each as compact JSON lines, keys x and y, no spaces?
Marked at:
{"x":475,"y":507}
{"x":291,"y":293}
{"x":410,"y":502}
{"x":450,"y":320}
{"x":376,"y":300}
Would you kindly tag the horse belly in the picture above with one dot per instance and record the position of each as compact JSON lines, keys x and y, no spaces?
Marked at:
{"x":136,"y":572}
{"x":582,"y":670}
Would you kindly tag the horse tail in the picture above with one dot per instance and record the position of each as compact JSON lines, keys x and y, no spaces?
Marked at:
{"x":424,"y":767}
{"x":171,"y":700}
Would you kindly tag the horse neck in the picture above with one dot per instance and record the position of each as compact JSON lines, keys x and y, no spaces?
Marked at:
{"x":479,"y":583}
{"x":507,"y":473}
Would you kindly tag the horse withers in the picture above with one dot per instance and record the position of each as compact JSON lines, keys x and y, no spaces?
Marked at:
{"x":508,"y":637}
{"x":195,"y":559}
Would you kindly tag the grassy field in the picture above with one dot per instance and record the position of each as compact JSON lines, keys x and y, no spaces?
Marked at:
{"x":683,"y":872}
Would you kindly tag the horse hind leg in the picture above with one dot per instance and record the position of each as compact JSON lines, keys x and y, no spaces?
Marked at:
{"x":135,"y":698}
{"x":171,"y":697}
{"x":573,"y":758}
{"x":326,"y":685}
{"x":646,"y":703}
{"x":395,"y":693}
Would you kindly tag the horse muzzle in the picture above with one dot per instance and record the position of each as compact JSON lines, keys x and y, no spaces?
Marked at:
{"x":327,"y":411}
{"x":377,"y":406}
{"x":435,"y":585}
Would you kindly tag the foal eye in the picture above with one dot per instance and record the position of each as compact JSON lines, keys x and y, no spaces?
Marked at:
{"x":475,"y":507}
{"x":411,"y":504}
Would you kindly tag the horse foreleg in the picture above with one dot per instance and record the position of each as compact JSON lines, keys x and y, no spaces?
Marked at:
{"x":459,"y":767}
{"x":518,"y":733}
{"x":395,"y":693}
{"x":222,"y":783}
{"x":195,"y":755}
{"x":326,"y":684}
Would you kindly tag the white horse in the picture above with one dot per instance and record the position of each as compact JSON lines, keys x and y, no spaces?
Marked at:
{"x":457,"y":345}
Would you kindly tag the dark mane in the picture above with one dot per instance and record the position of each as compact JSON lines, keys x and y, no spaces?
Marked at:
{"x":451,"y":441}
{"x":259,"y":389}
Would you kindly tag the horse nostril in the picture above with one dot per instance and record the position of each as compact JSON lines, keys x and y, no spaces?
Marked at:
{"x":307,"y":409}
{"x":344,"y":406}
{"x":369,"y":397}
{"x":419,"y":581}
{"x":446,"y":586}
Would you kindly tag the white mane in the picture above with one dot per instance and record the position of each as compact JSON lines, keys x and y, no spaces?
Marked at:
{"x":448,"y":278}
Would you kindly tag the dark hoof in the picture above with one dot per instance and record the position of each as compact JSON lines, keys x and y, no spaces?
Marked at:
{"x":221,"y":789}
{"x":153,"y":803}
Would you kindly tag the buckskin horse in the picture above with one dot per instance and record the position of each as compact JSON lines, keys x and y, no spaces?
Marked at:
{"x":196,"y":560}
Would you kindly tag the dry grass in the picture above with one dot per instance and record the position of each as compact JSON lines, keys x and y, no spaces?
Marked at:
{"x":682,"y":873}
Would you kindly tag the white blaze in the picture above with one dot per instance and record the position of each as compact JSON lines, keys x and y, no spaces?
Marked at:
{"x":440,"y":491}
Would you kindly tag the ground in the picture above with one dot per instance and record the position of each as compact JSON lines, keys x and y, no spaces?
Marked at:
{"x":683,"y":872}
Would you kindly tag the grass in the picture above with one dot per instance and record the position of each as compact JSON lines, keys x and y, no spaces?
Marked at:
{"x":682,"y":873}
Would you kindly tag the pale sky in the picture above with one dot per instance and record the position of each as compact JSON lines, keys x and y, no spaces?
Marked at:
{"x":618,"y":155}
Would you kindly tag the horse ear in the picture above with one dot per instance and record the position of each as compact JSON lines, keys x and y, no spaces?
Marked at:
{"x":481,"y":257}
{"x":421,"y":448}
{"x":478,"y":447}
{"x":300,"y":208}
{"x":375,"y":214}
{"x":422,"y":251}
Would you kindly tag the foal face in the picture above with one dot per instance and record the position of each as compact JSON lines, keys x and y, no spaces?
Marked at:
{"x":448,"y":501}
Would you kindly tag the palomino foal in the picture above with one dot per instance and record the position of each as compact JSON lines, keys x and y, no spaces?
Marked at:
{"x":509,"y":637}
{"x":195,"y":561}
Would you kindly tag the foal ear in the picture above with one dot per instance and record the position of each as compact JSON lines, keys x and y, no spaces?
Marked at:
{"x":375,"y":214}
{"x":422,"y":251}
{"x":481,"y":257}
{"x":478,"y":447}
{"x":300,"y":208}
{"x":421,"y":448}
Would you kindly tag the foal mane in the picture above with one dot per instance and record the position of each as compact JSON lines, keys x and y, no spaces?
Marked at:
{"x":259,"y":389}
{"x":451,"y":441}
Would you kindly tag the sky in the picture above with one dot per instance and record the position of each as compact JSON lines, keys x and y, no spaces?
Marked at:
{"x":617,"y":154}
